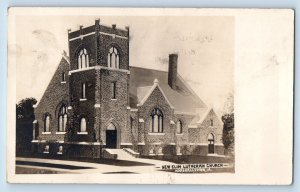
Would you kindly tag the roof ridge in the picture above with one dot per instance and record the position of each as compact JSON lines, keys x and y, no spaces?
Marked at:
{"x":148,"y":69}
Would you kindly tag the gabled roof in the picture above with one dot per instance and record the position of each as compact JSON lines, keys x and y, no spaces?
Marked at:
{"x":202,"y":115}
{"x":183,"y":99}
{"x":144,"y":92}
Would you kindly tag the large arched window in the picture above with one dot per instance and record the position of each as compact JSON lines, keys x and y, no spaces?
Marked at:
{"x":83,"y":59}
{"x":47,"y":123}
{"x":82,"y":124}
{"x":179,"y":127}
{"x":62,"y":119}
{"x":157,"y":121}
{"x":113,"y":58}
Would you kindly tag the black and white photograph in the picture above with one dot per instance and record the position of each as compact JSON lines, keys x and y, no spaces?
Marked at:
{"x":128,"y":95}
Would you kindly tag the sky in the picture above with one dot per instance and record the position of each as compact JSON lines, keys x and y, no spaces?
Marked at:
{"x":205,"y":46}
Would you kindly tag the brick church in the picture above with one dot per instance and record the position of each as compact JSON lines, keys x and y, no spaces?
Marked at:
{"x":97,"y":101}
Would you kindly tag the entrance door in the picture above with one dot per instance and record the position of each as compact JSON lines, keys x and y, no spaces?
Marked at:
{"x":111,"y":136}
{"x":211,"y":143}
{"x":111,"y":139}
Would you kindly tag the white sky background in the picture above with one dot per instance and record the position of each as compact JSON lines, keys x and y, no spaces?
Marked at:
{"x":205,"y":46}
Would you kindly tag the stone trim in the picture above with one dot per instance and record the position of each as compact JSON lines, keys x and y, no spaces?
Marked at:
{"x":192,"y":126}
{"x":126,"y":143}
{"x":156,"y":143}
{"x":141,"y":143}
{"x":113,"y":35}
{"x":38,"y":141}
{"x":97,"y":105}
{"x":83,"y":143}
{"x":81,"y":36}
{"x":60,"y":132}
{"x":82,"y":69}
{"x":46,"y":133}
{"x":82,"y":133}
{"x":151,"y":133}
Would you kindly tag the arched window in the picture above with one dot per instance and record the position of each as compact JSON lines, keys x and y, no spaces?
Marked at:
{"x":83,"y":125}
{"x":157,"y":121}
{"x":47,"y":123}
{"x":179,"y":127}
{"x":83,"y":59}
{"x":62,"y":119}
{"x":113,"y":58}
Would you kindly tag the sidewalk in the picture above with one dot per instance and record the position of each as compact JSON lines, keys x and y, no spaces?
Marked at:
{"x":66,"y":166}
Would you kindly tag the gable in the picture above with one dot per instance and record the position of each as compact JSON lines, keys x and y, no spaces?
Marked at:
{"x":211,"y":116}
{"x":182,"y":98}
{"x":56,"y":90}
{"x":156,"y":97}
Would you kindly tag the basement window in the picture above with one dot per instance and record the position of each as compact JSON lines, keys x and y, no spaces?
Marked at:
{"x":60,"y":150}
{"x":46,"y":149}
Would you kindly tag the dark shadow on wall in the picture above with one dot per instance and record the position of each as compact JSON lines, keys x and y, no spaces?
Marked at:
{"x":24,"y":125}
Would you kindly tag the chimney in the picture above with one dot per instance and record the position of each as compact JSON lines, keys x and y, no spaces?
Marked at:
{"x":172,"y":74}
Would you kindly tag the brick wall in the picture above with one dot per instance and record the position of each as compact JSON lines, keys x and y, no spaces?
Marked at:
{"x":55,"y":95}
{"x":83,"y":108}
{"x":181,"y":139}
{"x":106,"y":42}
{"x":89,"y":43}
{"x":114,"y":110}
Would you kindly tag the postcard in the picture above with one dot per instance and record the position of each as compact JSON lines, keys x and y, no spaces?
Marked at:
{"x":150,"y":95}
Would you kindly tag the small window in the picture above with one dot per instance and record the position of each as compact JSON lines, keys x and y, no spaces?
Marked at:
{"x":211,"y":122}
{"x":83,"y":125}
{"x":63,"y":77}
{"x":47,"y":123}
{"x":113,"y":90}
{"x":60,"y":150}
{"x":179,"y":127}
{"x":131,"y":123}
{"x":83,"y":96}
{"x":46,"y":149}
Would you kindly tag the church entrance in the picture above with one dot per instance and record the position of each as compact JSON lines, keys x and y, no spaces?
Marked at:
{"x":111,"y":137}
{"x":211,"y":143}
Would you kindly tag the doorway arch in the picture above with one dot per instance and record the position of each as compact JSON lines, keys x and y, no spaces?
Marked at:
{"x":211,"y":143}
{"x":111,"y":136}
